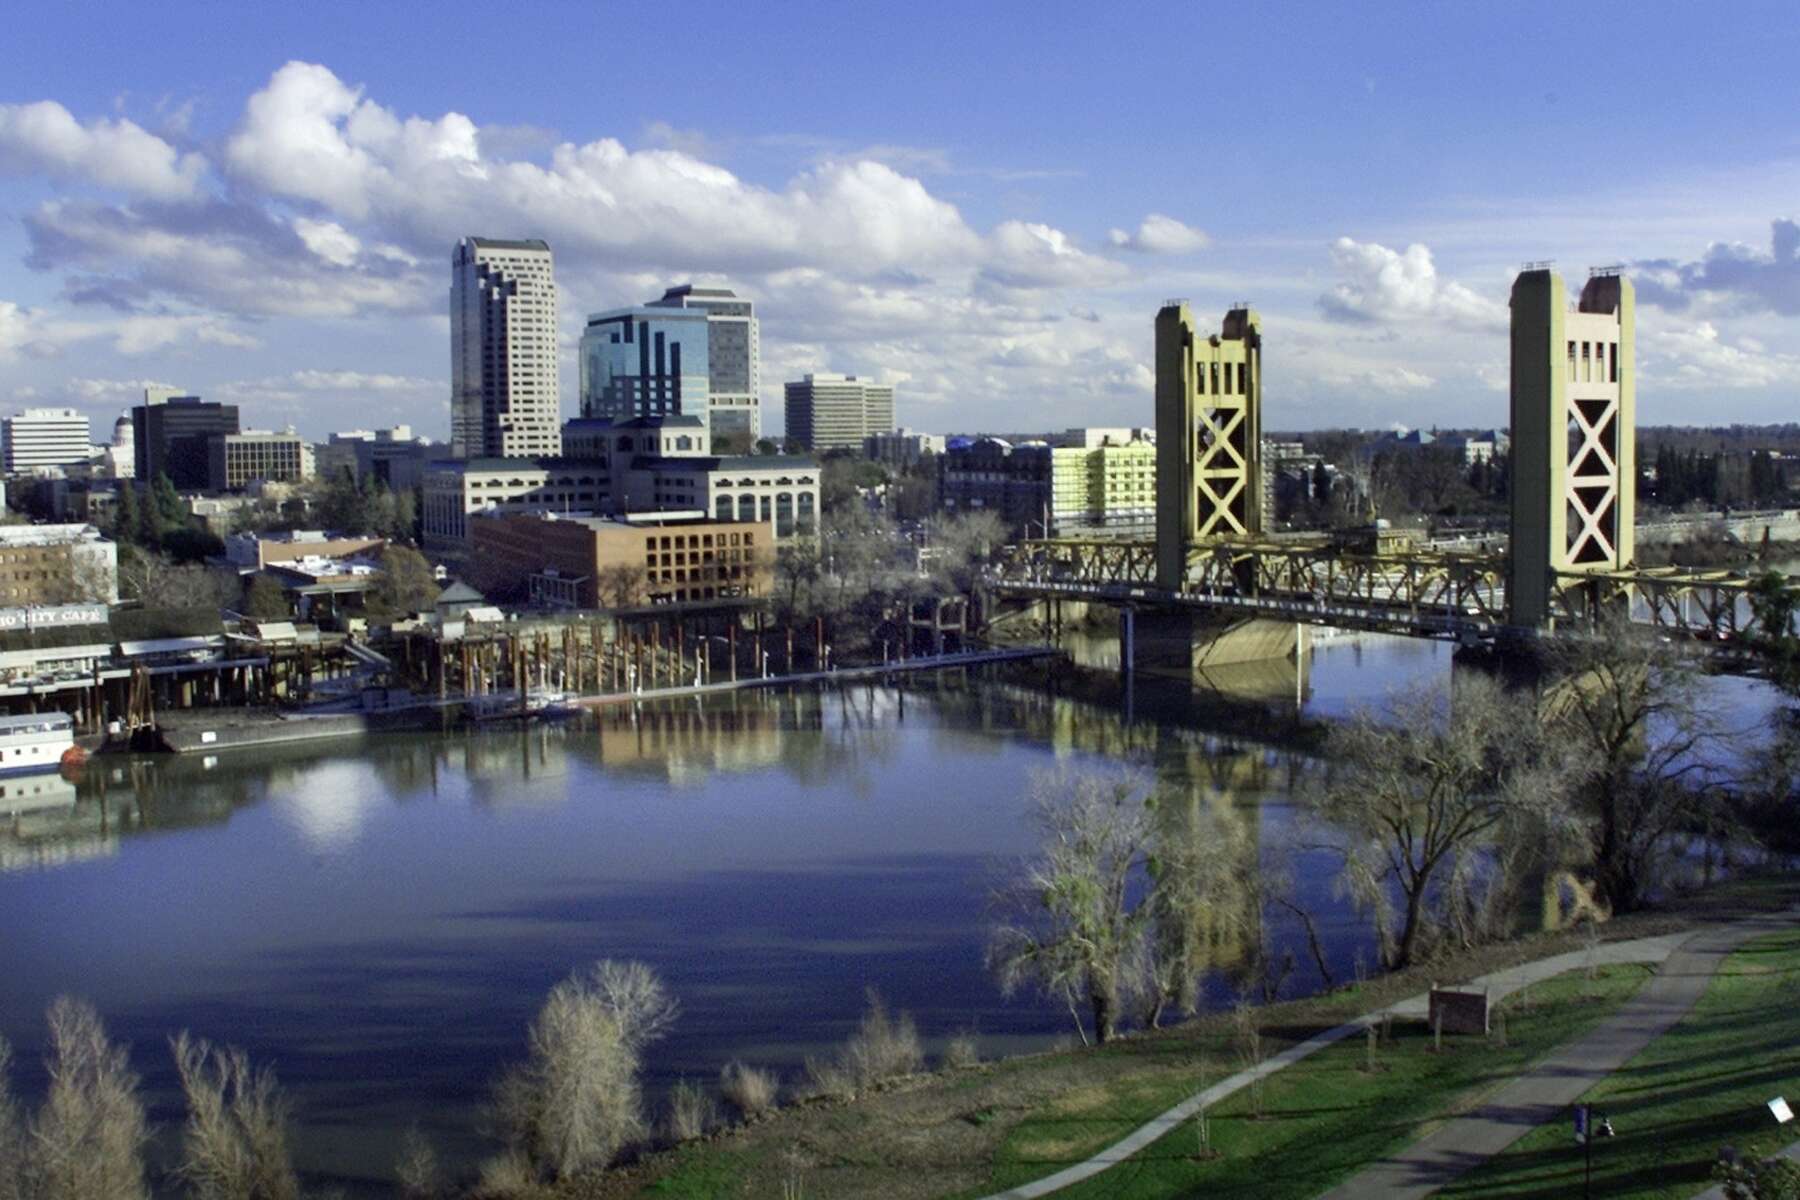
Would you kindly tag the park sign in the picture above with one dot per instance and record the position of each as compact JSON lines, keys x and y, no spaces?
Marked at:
{"x":1458,"y":1012}
{"x":1779,"y":1108}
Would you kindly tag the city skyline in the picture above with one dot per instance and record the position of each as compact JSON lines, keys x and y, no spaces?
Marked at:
{"x":985,"y":229}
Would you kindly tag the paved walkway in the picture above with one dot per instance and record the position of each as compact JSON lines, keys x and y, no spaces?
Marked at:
{"x":1693,"y":963}
{"x":1545,"y":1093}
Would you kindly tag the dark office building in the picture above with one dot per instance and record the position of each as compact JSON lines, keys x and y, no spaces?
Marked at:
{"x":171,"y":438}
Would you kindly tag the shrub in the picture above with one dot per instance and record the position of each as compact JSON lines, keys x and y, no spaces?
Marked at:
{"x":235,"y":1145}
{"x":960,"y":1051}
{"x":506,"y":1177}
{"x":577,"y":1101}
{"x":692,"y":1113}
{"x":417,"y":1171}
{"x":88,"y":1139}
{"x":749,"y":1089}
{"x":882,"y":1048}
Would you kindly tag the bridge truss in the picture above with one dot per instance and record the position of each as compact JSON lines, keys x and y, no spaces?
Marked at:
{"x":1418,"y":592}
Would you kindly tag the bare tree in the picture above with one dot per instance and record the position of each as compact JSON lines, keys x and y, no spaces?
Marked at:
{"x":1632,"y":711}
{"x":88,"y":1138}
{"x":577,"y":1101}
{"x":964,"y":546}
{"x":235,"y":1145}
{"x":1425,"y":789}
{"x":621,"y":585}
{"x":157,"y":582}
{"x":1206,"y":893}
{"x":1069,"y":923}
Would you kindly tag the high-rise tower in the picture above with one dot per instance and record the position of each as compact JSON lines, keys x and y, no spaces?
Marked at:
{"x":1574,"y":439}
{"x":734,"y":357}
{"x":503,"y":379}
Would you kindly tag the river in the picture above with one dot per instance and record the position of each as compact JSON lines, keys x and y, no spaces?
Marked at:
{"x":379,"y":922}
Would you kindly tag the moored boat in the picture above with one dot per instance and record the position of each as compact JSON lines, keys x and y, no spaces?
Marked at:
{"x":35,"y":742}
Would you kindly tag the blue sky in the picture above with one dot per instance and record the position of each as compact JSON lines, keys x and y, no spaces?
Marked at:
{"x":981,"y":203}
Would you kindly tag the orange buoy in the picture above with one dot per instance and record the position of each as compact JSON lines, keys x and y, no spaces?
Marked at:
{"x":74,"y":758}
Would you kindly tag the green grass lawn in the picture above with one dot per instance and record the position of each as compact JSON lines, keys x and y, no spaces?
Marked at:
{"x":1699,"y":1086}
{"x":1321,"y":1118}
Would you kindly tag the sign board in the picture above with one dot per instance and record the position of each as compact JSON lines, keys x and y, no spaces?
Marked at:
{"x":1783,"y":1114}
{"x":1458,"y":1012}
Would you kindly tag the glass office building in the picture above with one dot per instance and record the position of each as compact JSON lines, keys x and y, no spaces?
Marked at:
{"x":645,"y":362}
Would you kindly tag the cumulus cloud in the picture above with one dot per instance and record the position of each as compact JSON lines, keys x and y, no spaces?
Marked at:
{"x":46,"y":138}
{"x":1030,"y":255}
{"x":1158,"y":234}
{"x":36,"y":333}
{"x":1382,"y":285}
{"x":1745,"y":277}
{"x":91,"y":391}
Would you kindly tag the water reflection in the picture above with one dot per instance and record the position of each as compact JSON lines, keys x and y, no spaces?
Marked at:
{"x":380,"y":921}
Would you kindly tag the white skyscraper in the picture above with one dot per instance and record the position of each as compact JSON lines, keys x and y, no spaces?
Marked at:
{"x":46,"y":437}
{"x":503,"y":386}
{"x":734,"y":357}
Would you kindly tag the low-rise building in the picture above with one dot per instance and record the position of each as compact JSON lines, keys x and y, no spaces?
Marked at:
{"x":456,"y":489}
{"x":902,"y":448}
{"x":602,"y":562}
{"x":1040,"y":490}
{"x":255,"y":551}
{"x":393,"y":457}
{"x":57,"y":564}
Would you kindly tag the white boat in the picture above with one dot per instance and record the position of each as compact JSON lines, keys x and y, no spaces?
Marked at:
{"x":34,"y":742}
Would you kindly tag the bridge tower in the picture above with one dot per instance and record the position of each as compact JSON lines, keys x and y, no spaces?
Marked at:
{"x":1208,"y":434}
{"x":1574,"y":434}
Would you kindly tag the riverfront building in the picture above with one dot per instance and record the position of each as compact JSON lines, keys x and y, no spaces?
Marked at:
{"x":57,"y":564}
{"x":837,"y":412}
{"x":621,"y":468}
{"x":173,"y":436}
{"x":46,"y":437}
{"x":503,"y":377}
{"x":733,"y":359}
{"x":602,"y":562}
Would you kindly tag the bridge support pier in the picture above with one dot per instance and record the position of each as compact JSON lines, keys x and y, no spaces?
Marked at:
{"x":1183,"y":643}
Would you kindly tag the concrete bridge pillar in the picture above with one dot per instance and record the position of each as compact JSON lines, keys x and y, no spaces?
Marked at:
{"x":1182,"y":643}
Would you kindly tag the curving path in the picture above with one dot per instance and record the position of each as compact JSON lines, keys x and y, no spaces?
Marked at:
{"x":1688,"y":960}
{"x":1545,"y":1093}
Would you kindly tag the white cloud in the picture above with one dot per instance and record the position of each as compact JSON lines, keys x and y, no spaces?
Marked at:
{"x":94,"y":390}
{"x":329,"y":240}
{"x":1383,"y":285}
{"x":1032,"y":255}
{"x":1391,"y":379}
{"x":1697,"y":358}
{"x":40,"y":334}
{"x":45,"y":137}
{"x":1158,"y":234}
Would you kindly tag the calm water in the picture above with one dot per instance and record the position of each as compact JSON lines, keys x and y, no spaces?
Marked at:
{"x":381,"y":923}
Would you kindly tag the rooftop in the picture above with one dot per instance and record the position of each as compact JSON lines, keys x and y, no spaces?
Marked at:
{"x":482,"y":243}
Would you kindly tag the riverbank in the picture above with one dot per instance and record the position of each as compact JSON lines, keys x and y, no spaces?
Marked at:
{"x":970,"y":1131}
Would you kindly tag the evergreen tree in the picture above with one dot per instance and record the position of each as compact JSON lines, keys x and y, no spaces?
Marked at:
{"x":125,"y":514}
